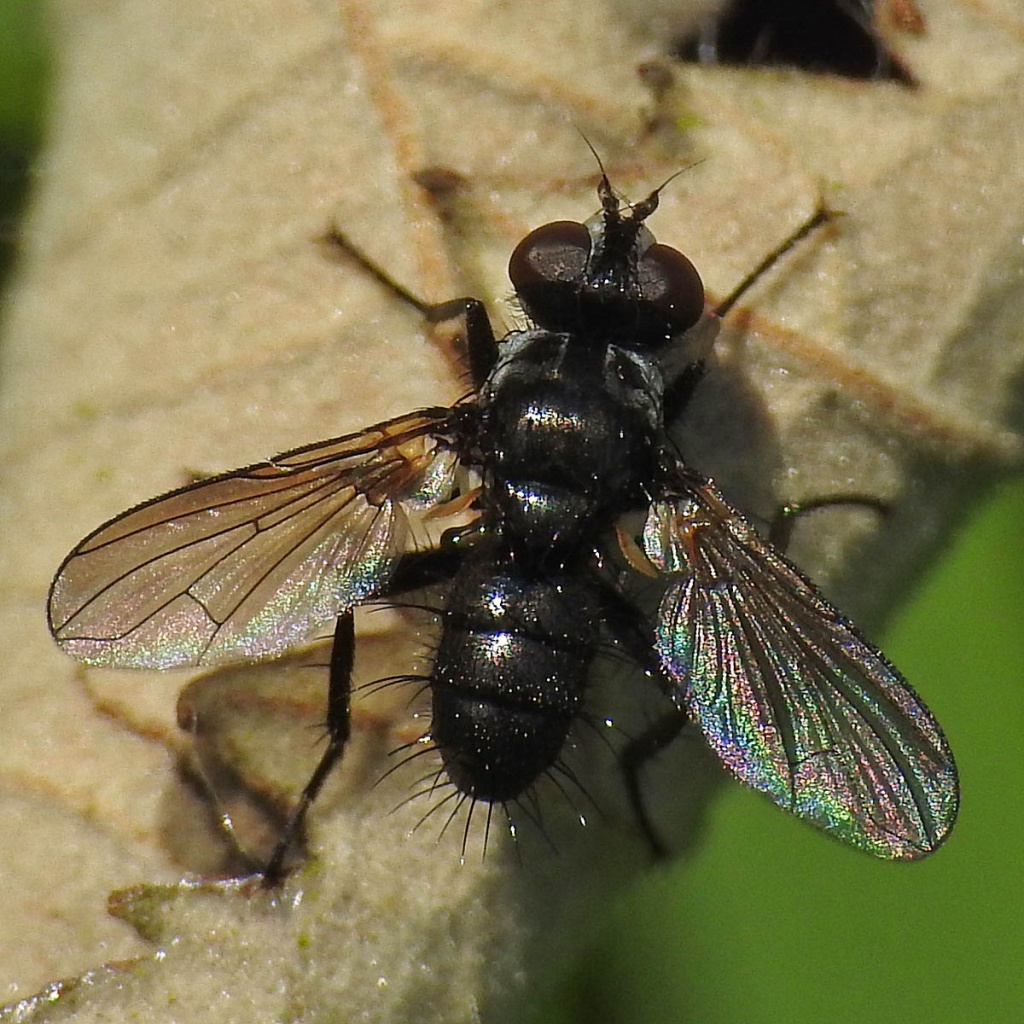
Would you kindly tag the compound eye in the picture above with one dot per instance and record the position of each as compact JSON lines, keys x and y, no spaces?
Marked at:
{"x":554,"y":254}
{"x":670,"y":286}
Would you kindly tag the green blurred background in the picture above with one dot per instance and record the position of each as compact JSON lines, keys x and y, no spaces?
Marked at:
{"x":770,"y":921}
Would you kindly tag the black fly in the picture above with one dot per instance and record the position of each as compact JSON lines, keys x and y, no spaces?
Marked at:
{"x":566,"y":435}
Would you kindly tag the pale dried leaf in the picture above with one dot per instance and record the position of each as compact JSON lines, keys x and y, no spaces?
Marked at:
{"x":175,"y":315}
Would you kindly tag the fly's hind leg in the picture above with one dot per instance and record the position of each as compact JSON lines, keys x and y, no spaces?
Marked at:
{"x":632,"y":632}
{"x":634,"y":757}
{"x":414,"y":572}
{"x":339,"y":728}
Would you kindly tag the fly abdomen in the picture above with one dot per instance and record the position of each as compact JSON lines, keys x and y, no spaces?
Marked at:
{"x":509,"y":676}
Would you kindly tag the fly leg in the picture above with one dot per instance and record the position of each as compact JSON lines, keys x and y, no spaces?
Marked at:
{"x":687,"y":366}
{"x":414,"y":572}
{"x":339,"y":727}
{"x":631,"y":631}
{"x":481,"y":344}
{"x":633,"y":758}
{"x":780,"y":529}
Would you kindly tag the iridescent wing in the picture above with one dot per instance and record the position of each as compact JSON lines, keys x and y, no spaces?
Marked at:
{"x":249,"y":563}
{"x":795,"y":702}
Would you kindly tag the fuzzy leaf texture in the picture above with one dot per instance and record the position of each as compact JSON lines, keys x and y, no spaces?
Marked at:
{"x":173,"y":313}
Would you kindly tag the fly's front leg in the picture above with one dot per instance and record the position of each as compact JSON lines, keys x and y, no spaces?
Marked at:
{"x":480,"y":341}
{"x":481,"y":345}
